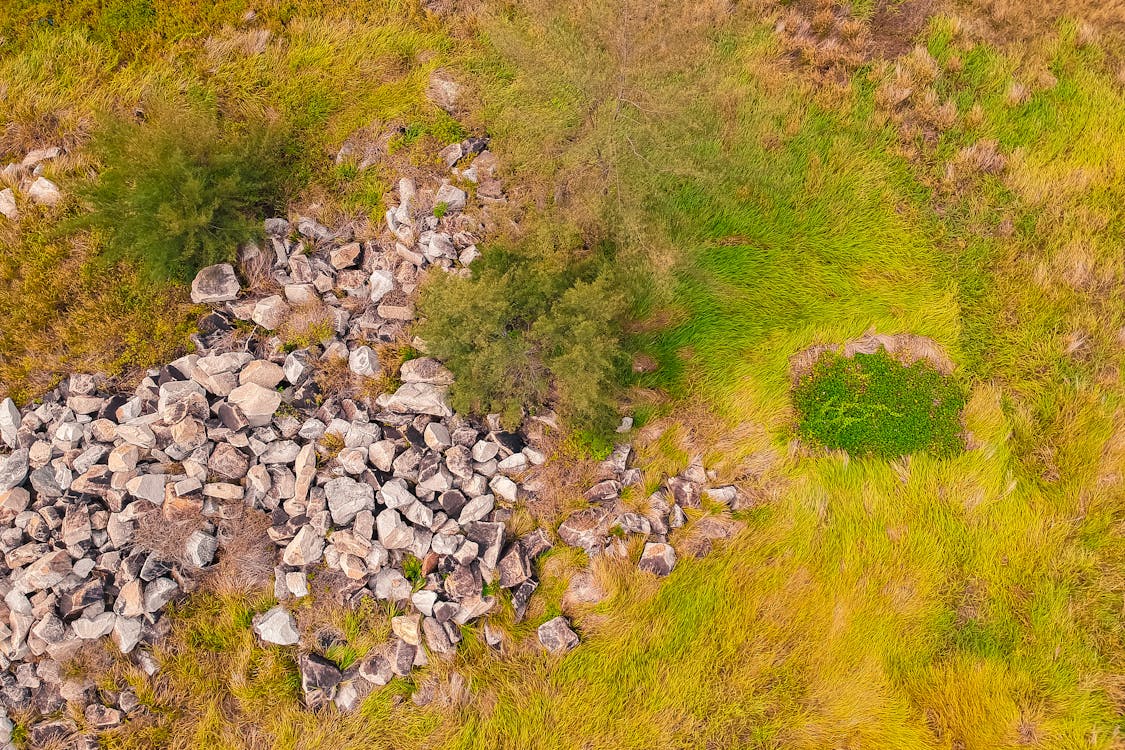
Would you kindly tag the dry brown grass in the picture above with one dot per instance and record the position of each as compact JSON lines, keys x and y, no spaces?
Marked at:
{"x":246,"y":556}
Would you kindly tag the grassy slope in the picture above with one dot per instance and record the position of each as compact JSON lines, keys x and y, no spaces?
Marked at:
{"x":972,"y":602}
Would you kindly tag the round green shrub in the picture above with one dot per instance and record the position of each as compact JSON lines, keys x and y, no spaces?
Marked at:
{"x":873,"y":405}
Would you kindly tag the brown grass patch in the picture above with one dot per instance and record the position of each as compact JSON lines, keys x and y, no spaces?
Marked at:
{"x":246,"y":555}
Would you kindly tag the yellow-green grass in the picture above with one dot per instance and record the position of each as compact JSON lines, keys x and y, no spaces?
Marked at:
{"x":320,"y":71}
{"x":970,"y":602}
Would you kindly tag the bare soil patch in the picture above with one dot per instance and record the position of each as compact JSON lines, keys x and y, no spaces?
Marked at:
{"x":904,"y":347}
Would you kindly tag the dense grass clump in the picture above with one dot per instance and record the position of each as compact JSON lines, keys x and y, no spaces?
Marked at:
{"x":177,"y":191}
{"x":872,"y":404}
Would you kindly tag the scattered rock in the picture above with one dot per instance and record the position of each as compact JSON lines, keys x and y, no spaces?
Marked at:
{"x":277,"y":626}
{"x":44,"y":192}
{"x":8,"y":204}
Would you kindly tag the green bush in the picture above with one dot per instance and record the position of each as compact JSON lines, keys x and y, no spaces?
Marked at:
{"x":180,"y":190}
{"x":537,"y":323}
{"x":872,"y":404}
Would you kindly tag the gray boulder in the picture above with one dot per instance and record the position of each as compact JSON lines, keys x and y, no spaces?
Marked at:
{"x":418,"y":398}
{"x":277,"y":626}
{"x":9,"y":422}
{"x":346,"y":498}
{"x":13,"y":469}
{"x":8,"y":204}
{"x":215,"y":284}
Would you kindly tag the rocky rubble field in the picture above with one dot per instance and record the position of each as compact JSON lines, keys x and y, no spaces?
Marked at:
{"x":401,"y":498}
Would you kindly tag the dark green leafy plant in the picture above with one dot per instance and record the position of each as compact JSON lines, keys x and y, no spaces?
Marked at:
{"x":872,"y":404}
{"x":180,"y":190}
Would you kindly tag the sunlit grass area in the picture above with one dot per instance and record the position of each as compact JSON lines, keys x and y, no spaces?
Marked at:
{"x":970,"y":601}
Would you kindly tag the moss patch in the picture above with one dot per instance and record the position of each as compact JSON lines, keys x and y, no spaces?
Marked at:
{"x":871,"y":404}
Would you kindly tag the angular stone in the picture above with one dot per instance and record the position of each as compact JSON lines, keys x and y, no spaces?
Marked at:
{"x":200,"y":548}
{"x":394,"y":533}
{"x":586,"y":528}
{"x":229,"y":462}
{"x":130,"y":600}
{"x":686,"y":493}
{"x":319,"y":678}
{"x":9,"y":422}
{"x":127,"y":633}
{"x":453,"y":197}
{"x":13,"y":469}
{"x":262,"y":372}
{"x":391,"y":585}
{"x":305,"y":470}
{"x":158,"y":593}
{"x":471,"y":608}
{"x":437,"y":640}
{"x":514,"y":567}
{"x":94,"y":627}
{"x":270,"y":312}
{"x":463,"y":582}
{"x":402,"y":659}
{"x":345,"y":256}
{"x":490,"y":537}
{"x":425,"y":370}
{"x":277,"y":626}
{"x":44,"y":572}
{"x":346,"y":498}
{"x":396,"y":494}
{"x":382,"y":283}
{"x":418,"y":398}
{"x":521,"y":598}
{"x":376,"y":669}
{"x":363,"y":361}
{"x":504,"y":488}
{"x":215,"y":284}
{"x":256,"y":402}
{"x":102,"y":717}
{"x":408,"y":628}
{"x":605,"y":491}
{"x":556,"y":635}
{"x":8,"y":204}
{"x":476,"y":509}
{"x":124,"y":458}
{"x":76,"y":526}
{"x":44,"y":192}
{"x":306,"y":548}
{"x":658,"y":558}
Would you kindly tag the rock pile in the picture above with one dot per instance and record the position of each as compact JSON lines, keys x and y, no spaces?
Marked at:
{"x":600,"y":527}
{"x":400,"y":497}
